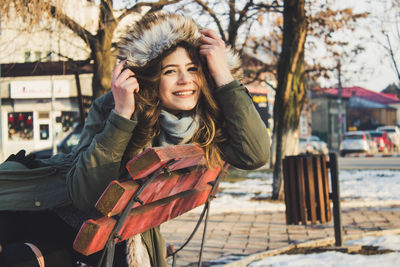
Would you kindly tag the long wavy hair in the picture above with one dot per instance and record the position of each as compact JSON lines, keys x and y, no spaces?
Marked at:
{"x":148,"y":108}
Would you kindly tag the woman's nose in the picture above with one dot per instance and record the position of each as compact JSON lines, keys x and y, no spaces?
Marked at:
{"x":184,"y":77}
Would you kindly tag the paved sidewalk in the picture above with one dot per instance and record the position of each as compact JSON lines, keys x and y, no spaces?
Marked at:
{"x":238,"y":234}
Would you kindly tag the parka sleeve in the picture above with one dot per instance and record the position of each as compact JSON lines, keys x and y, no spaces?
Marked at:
{"x":98,"y":155}
{"x":248,"y":142}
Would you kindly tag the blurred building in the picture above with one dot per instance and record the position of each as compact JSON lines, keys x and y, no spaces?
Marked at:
{"x":356,"y":109}
{"x":37,"y":60}
{"x":30,"y":55}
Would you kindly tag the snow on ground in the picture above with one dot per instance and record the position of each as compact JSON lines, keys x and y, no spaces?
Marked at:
{"x":358,"y":188}
{"x":328,"y":259}
{"x":236,"y":196}
{"x":331,"y":259}
{"x":369,"y":188}
{"x":391,"y":242}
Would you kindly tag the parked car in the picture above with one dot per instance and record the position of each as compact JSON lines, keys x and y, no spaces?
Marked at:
{"x":357,"y":142}
{"x":382,"y":140}
{"x":394,"y":134}
{"x":312,"y":145}
{"x":65,"y":146}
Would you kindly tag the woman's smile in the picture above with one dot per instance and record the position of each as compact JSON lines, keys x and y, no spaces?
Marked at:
{"x":184,"y":93}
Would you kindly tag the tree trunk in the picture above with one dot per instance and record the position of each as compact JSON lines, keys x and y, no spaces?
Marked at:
{"x":102,"y":70}
{"x":291,"y":92}
{"x":104,"y":62}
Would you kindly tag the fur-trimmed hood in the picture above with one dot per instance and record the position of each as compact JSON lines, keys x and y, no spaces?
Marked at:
{"x":158,"y":31}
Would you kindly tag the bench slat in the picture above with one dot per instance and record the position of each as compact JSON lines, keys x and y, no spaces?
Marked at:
{"x":154,"y":158}
{"x":93,"y":234}
{"x":116,"y":197}
{"x":118,"y":194}
{"x":147,"y":217}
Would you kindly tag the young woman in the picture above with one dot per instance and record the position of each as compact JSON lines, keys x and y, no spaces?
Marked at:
{"x":175,"y":84}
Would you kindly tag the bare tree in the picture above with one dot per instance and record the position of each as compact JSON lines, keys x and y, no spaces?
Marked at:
{"x":293,"y":70}
{"x":99,"y":43}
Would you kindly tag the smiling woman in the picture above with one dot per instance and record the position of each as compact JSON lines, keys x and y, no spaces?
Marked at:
{"x":179,"y":82}
{"x":175,"y":84}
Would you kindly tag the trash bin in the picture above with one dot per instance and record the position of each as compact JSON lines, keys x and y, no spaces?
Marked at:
{"x":306,"y":186}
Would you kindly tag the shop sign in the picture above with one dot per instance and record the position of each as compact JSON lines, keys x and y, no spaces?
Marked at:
{"x":38,"y":89}
{"x":260,"y":99}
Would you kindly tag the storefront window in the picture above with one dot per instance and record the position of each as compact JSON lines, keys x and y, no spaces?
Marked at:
{"x":65,"y":122}
{"x":20,"y":126}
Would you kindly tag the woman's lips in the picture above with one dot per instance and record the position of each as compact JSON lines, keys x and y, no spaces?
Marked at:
{"x":184,"y":93}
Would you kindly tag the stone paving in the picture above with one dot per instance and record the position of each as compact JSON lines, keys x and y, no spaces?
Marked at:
{"x":237,"y":234}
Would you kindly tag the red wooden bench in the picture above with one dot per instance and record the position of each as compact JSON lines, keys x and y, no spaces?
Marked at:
{"x":165,"y":182}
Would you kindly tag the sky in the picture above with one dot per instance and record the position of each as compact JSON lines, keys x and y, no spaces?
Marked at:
{"x":378,"y":67}
{"x":367,"y":188}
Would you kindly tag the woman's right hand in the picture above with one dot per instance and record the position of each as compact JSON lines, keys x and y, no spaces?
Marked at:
{"x":124,"y":85}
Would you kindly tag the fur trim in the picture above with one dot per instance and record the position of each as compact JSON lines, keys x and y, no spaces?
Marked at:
{"x":136,"y":252}
{"x":158,"y":31}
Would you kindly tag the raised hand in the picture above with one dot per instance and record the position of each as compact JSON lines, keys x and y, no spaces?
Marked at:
{"x":123,"y":86}
{"x":213,"y":48}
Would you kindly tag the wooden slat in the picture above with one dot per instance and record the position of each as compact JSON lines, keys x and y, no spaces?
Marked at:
{"x":286,"y":184}
{"x":319,"y":189}
{"x":93,"y":235}
{"x":139,"y":220}
{"x":154,"y":158}
{"x":293,"y":190}
{"x":309,"y":178}
{"x":172,"y":185}
{"x":326,"y":189}
{"x":117,"y":195}
{"x":145,"y":218}
{"x":302,"y":189}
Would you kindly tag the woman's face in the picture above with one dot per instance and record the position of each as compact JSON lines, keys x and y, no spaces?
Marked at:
{"x":179,"y":82}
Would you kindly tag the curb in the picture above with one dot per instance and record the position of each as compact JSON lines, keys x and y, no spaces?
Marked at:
{"x":362,"y":155}
{"x":313,"y":243}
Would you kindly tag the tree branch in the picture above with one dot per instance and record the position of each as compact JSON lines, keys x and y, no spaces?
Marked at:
{"x":265,"y":68}
{"x":84,"y":34}
{"x":214,"y":16}
{"x":319,"y":69}
{"x":243,"y":13}
{"x":274,"y":7}
{"x":392,"y":56}
{"x":136,"y":8}
{"x":106,"y":14}
{"x":246,"y":39}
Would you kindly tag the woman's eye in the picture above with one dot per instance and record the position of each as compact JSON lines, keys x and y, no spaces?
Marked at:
{"x":193,"y":69}
{"x":168,"y":72}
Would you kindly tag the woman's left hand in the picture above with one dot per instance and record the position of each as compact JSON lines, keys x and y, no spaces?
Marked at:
{"x":213,"y":48}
